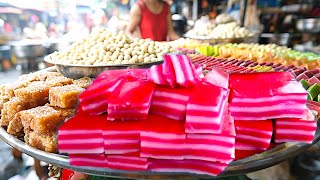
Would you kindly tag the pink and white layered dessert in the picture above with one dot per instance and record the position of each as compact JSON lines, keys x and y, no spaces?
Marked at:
{"x":93,"y":160}
{"x":82,"y":134}
{"x":122,"y":137}
{"x":260,"y":96}
{"x":295,"y":129}
{"x":130,"y":161}
{"x":205,"y":109}
{"x":253,"y":135}
{"x":162,"y":138}
{"x":133,"y":101}
{"x":216,"y":146}
{"x":170,"y":102}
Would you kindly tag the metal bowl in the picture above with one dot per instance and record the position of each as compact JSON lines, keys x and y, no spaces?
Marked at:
{"x":28,"y":49}
{"x":310,"y":25}
{"x":207,"y":39}
{"x":75,"y":71}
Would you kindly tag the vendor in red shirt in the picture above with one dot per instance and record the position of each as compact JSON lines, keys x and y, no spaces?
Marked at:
{"x":153,"y":18}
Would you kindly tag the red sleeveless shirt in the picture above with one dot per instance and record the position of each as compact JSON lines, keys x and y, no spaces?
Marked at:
{"x":153,"y":26}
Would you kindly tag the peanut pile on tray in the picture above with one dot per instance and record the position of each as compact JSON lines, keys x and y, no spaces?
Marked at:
{"x":33,"y":106}
{"x":103,"y":47}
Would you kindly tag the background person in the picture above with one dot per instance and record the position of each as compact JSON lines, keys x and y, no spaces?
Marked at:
{"x":153,"y":18}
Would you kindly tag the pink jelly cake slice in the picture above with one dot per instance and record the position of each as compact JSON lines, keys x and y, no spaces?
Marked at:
{"x":266,"y":84}
{"x":170,"y":102}
{"x":187,"y":166}
{"x":122,"y":137}
{"x":295,"y":129}
{"x":94,"y":100}
{"x":132,"y":102}
{"x":168,"y":71}
{"x":204,"y":109}
{"x":81,"y":134}
{"x":162,"y":138}
{"x":157,"y":75}
{"x":266,"y":96}
{"x":131,"y":161}
{"x":184,"y":72}
{"x":217,"y":77}
{"x":198,"y":70}
{"x":253,"y":135}
{"x":88,"y":160}
{"x":213,"y":147}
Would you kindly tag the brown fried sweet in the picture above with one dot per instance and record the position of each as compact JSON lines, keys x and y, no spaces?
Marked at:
{"x":83,"y":82}
{"x":15,"y":126}
{"x":37,"y":92}
{"x":65,"y":96}
{"x":45,"y":75}
{"x":9,"y":88}
{"x":3,"y":99}
{"x":1,"y":105}
{"x":10,"y":108}
{"x":64,"y":113}
{"x":38,"y":76}
{"x":42,"y":119}
{"x":46,"y":142}
{"x":2,"y":87}
{"x":54,"y":81}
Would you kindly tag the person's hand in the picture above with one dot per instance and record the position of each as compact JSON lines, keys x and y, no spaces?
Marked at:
{"x":79,"y":176}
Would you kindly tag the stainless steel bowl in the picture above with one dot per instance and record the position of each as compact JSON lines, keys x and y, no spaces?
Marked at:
{"x":78,"y":71}
{"x":207,"y":39}
{"x":28,"y":49}
{"x":311,"y":25}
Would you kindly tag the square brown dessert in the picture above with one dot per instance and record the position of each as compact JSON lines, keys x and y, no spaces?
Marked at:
{"x":46,"y":142}
{"x":10,"y":108}
{"x":83,"y":82}
{"x":65,"y":96}
{"x":2,"y":87}
{"x":44,"y":75}
{"x":64,"y":113}
{"x":42,"y":119}
{"x":9,"y":88}
{"x":15,"y":126}
{"x":53,"y":81}
{"x":37,"y":92}
{"x":3,"y":99}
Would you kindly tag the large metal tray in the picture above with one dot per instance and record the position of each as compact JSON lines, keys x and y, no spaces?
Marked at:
{"x":250,"y":164}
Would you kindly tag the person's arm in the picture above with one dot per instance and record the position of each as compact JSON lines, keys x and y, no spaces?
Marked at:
{"x":135,"y":18}
{"x":39,"y":170}
{"x":171,"y":33}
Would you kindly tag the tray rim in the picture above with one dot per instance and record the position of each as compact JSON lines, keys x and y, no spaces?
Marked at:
{"x":48,"y":59}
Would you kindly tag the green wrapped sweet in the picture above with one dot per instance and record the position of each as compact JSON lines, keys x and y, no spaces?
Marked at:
{"x":305,"y":84}
{"x":314,"y":91}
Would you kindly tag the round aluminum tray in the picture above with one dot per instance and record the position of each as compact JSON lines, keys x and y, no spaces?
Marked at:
{"x":75,"y":71}
{"x":250,"y":164}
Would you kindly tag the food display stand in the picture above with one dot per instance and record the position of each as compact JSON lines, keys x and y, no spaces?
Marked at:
{"x":186,"y":72}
